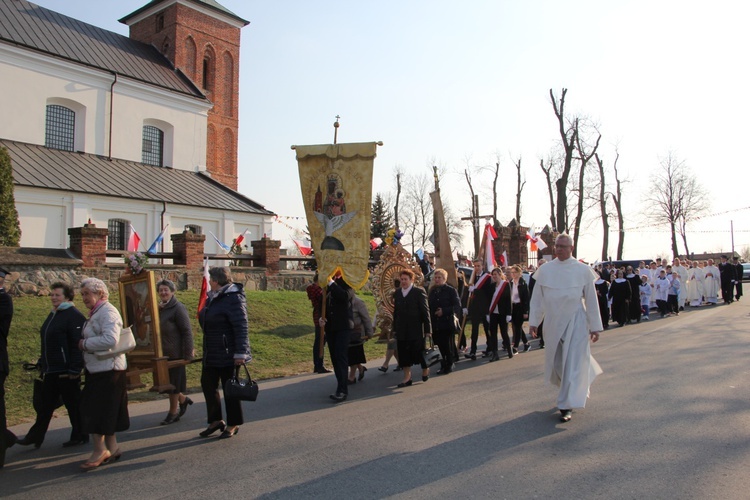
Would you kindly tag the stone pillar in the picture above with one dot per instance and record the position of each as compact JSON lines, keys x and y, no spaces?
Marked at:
{"x":89,"y":243}
{"x":548,"y":236}
{"x":267,"y":251}
{"x":189,"y":249}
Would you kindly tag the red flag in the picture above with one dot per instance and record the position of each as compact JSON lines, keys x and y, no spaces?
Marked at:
{"x":489,"y":251}
{"x":133,"y":240}
{"x":303,"y":249}
{"x":241,"y":238}
{"x":204,"y":288}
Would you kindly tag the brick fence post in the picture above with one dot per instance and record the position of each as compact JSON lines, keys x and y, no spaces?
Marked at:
{"x":89,"y":243}
{"x":189,"y":249}
{"x":268,"y":253}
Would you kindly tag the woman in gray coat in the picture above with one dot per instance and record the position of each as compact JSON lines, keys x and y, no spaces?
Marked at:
{"x":176,"y":343}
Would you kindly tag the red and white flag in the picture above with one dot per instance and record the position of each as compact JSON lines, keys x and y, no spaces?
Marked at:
{"x":504,"y":259}
{"x":241,"y":238}
{"x":489,"y":250}
{"x":536,"y":242}
{"x":305,"y":249}
{"x":133,"y":240}
{"x":204,"y":288}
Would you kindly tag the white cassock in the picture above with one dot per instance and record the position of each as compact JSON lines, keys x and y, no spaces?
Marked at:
{"x":695,"y":286}
{"x":711,"y":284}
{"x":565,"y":298}
{"x":683,"y":272}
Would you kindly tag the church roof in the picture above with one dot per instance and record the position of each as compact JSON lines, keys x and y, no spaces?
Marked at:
{"x":41,"y":167}
{"x":28,"y":25}
{"x":210,"y":4}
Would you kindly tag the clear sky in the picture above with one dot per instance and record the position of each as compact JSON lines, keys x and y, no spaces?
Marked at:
{"x":445,"y":82}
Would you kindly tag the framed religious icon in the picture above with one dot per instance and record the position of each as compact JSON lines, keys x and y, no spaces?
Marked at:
{"x":140,"y":311}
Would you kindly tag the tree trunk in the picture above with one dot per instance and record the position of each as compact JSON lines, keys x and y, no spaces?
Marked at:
{"x":568,"y":146}
{"x":603,"y":208}
{"x":551,"y":193}
{"x":519,"y":189}
{"x":398,"y":195}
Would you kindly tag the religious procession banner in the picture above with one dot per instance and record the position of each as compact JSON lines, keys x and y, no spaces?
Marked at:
{"x":443,"y":254}
{"x":336,"y":183}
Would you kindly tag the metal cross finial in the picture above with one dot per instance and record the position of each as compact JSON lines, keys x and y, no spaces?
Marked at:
{"x":336,"y":129}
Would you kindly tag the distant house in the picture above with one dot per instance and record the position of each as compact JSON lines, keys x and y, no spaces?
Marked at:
{"x":138,"y":131}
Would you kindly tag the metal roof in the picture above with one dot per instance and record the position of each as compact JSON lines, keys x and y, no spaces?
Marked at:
{"x":211,"y":4}
{"x":28,"y":25}
{"x":41,"y":167}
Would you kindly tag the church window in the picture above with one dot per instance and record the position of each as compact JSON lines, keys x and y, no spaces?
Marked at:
{"x":60,"y":128}
{"x":153,"y":146}
{"x":118,"y":235}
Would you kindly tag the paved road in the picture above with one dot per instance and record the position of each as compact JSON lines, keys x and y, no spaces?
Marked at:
{"x":669,"y":418}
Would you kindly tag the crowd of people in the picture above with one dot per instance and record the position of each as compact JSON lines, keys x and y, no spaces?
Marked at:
{"x":626,"y":294}
{"x":76,"y":346}
{"x":575,"y":303}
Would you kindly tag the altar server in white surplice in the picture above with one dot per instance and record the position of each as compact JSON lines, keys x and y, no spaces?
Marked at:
{"x":565,"y":298}
{"x":711,"y":283}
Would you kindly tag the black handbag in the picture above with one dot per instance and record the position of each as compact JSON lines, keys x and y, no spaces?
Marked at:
{"x":242,"y":389}
{"x":431,"y":355}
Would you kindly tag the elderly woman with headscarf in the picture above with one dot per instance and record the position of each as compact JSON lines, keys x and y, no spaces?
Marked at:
{"x":225,"y":345}
{"x":176,"y":343}
{"x":104,"y":401}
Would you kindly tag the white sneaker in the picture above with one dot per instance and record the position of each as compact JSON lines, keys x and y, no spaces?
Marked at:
{"x":645,"y":318}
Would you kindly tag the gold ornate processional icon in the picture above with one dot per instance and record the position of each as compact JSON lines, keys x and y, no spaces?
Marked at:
{"x":392,"y":262}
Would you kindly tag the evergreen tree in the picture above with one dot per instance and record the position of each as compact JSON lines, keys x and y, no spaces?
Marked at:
{"x":381,"y":219}
{"x":10,"y":231}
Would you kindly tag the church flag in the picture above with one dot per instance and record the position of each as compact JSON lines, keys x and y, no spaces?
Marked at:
{"x":159,"y":239}
{"x":489,"y":251}
{"x":536,"y":242}
{"x":134,"y":240}
{"x":336,"y":185}
{"x":443,"y":254}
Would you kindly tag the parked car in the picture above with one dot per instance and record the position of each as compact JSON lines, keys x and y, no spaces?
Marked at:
{"x":746,"y":271}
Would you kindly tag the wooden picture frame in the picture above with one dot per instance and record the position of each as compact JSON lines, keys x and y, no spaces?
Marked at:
{"x":140,"y":311}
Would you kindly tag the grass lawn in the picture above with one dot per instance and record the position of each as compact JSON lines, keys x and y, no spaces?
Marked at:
{"x":281,"y":336}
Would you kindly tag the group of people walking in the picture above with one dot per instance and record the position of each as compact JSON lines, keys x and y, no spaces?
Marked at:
{"x":76,"y":346}
{"x":627,"y":295}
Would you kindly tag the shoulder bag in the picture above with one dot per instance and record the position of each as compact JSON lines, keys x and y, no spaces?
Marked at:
{"x":431,"y":354}
{"x":237,"y":388}
{"x":125,"y":343}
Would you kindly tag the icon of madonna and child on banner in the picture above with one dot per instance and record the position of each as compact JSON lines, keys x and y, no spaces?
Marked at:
{"x":336,"y":184}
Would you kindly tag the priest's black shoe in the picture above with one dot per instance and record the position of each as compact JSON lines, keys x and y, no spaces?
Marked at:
{"x":26,"y":441}
{"x":566,"y":415}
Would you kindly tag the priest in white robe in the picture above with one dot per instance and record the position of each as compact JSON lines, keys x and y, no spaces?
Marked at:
{"x":711,"y":283}
{"x":565,"y":299}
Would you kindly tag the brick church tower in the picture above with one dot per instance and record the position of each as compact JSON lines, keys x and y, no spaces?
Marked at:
{"x":202,"y":39}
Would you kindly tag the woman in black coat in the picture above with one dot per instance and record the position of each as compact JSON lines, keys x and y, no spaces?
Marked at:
{"x":500,"y":314}
{"x":411,"y":324}
{"x":445,"y":307}
{"x":225,"y":345}
{"x":602,"y":296}
{"x":61,"y":364}
{"x":634,"y":306}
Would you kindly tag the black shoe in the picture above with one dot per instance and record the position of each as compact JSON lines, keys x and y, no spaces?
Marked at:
{"x":338,"y":397}
{"x":26,"y":441}
{"x":495,"y":357}
{"x":213,"y":428}
{"x":383,"y":369}
{"x":322,"y":370}
{"x":566,"y":415}
{"x":510,"y":353}
{"x":170,"y":418}
{"x":184,"y":406}
{"x":11,"y":439}
{"x":227,"y":433}
{"x":526,"y":347}
{"x":541,"y":346}
{"x":397,"y":369}
{"x":362,"y":373}
{"x":425,"y":378}
{"x":405,"y":384}
{"x":75,"y":442}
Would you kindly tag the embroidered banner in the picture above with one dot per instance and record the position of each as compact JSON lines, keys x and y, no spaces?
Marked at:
{"x":336,"y":183}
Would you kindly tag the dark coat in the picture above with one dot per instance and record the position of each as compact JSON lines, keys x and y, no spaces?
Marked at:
{"x":6,"y":315}
{"x":480,"y":299}
{"x":619,"y":292}
{"x":523,"y":294}
{"x":411,"y":314}
{"x":224,"y":324}
{"x":339,"y":315}
{"x":503,"y":303}
{"x":728,"y":273}
{"x":635,"y":293}
{"x":444,"y":297}
{"x":61,"y":332}
{"x":176,"y":332}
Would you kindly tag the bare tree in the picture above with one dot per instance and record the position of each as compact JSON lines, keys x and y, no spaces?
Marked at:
{"x":548,"y":174}
{"x":693,"y":203}
{"x":398,"y":173}
{"x":603,"y":207}
{"x":474,"y":209}
{"x":584,"y":157}
{"x":568,"y":132}
{"x":674,"y":189}
{"x":417,"y":210}
{"x":494,"y":190}
{"x":520,"y":183}
{"x":617,"y":199}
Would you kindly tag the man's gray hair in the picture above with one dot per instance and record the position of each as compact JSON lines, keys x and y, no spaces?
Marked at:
{"x":565,"y":236}
{"x":97,"y":286}
{"x":221,"y":275}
